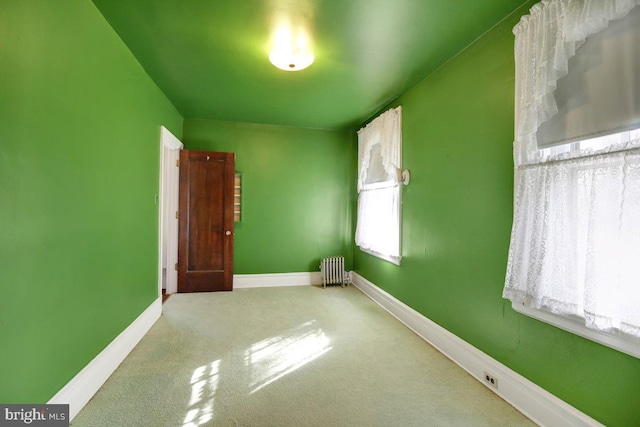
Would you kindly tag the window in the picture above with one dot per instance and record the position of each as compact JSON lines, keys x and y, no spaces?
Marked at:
{"x":575,"y":242}
{"x":379,"y":187}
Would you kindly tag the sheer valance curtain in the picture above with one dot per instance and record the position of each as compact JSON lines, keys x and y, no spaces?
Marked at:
{"x":575,"y":243}
{"x":379,"y":189}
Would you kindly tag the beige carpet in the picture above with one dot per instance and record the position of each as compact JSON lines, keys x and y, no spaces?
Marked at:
{"x":291,"y":356}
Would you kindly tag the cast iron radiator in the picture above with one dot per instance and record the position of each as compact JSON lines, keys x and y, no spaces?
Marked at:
{"x":332,"y":271}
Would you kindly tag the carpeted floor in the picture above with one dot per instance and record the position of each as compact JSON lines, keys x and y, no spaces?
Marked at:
{"x":291,"y":356}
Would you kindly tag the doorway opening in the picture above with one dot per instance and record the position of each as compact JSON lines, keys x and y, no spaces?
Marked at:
{"x":170,"y":148}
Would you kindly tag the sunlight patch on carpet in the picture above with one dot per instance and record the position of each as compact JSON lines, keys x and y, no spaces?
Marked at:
{"x":204,"y":383}
{"x":273,"y":358}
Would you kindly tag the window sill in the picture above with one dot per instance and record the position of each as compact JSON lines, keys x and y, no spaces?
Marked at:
{"x":577,"y":328}
{"x":389,"y":258}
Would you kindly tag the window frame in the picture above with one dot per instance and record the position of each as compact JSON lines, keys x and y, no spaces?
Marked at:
{"x":575,"y":324}
{"x":396,"y":260}
{"x":385,"y":257}
{"x":553,"y":34}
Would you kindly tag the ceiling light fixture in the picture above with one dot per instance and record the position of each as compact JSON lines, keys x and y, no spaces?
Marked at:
{"x":293,"y":59}
{"x":290,"y":56}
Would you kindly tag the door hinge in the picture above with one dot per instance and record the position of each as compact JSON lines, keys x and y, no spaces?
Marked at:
{"x":177,"y":215}
{"x":178,"y":163}
{"x":176,"y":266}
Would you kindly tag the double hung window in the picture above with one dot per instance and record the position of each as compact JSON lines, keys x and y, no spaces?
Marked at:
{"x":574,"y":256}
{"x":379,"y":189}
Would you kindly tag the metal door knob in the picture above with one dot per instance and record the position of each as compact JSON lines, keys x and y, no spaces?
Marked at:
{"x":228,"y":233}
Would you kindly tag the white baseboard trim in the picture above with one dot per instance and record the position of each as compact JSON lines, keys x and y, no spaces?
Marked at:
{"x":243,"y":281}
{"x":533,"y":401}
{"x":88,"y":381}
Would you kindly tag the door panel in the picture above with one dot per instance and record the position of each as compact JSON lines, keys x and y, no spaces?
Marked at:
{"x":205,"y":249}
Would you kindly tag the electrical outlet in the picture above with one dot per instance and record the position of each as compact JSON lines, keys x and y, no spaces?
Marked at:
{"x":490,"y":379}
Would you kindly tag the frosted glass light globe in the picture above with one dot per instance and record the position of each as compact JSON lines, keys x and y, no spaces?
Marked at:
{"x":291,"y":59}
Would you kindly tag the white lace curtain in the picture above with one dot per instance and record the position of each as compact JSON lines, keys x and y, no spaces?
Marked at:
{"x":575,"y":243}
{"x":379,"y":161}
{"x":379,"y":149}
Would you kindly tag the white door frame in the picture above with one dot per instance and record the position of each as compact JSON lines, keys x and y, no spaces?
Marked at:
{"x":170,"y":148}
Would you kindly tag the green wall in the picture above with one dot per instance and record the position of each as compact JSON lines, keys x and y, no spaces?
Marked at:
{"x":297,"y":192}
{"x":457,"y":213}
{"x":79,"y":153}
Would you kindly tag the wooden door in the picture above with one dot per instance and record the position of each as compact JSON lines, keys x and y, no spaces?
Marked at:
{"x":205,"y":221}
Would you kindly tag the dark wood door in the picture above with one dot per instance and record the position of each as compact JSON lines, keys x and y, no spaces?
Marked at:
{"x":205,"y":221}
